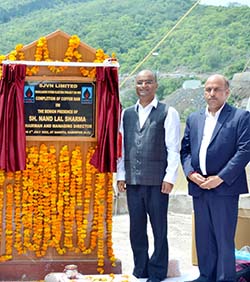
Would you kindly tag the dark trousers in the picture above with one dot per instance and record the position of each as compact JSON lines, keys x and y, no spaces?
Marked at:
{"x":146,"y":201}
{"x":215,"y":225}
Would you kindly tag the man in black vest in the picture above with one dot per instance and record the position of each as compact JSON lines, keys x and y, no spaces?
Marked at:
{"x":147,"y":171}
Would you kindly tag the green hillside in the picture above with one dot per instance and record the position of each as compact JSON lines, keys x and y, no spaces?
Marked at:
{"x":209,"y":39}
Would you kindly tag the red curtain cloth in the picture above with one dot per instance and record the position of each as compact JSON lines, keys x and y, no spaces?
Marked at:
{"x":108,"y":119}
{"x":12,"y":120}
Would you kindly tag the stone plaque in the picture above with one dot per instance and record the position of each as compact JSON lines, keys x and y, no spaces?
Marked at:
{"x":59,"y":108}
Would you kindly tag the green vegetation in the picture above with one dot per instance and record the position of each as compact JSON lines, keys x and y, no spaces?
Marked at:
{"x":210,"y":39}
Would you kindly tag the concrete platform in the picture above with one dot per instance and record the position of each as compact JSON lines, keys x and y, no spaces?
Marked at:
{"x":179,"y":235}
{"x":180,"y":242}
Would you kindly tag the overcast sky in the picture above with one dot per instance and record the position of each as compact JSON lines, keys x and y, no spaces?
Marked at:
{"x":225,"y":2}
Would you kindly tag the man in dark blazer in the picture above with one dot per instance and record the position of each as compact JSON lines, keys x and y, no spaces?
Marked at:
{"x":215,"y":150}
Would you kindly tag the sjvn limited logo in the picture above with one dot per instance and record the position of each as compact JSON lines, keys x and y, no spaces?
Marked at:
{"x":29,"y":94}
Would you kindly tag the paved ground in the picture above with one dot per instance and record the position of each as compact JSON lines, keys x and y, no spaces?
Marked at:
{"x":180,"y":242}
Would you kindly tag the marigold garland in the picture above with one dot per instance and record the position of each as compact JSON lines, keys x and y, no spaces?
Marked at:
{"x":18,"y":243}
{"x":100,"y":192}
{"x":8,"y":234}
{"x":53,"y":196}
{"x":29,"y":188}
{"x":42,"y":54}
{"x":68,"y":198}
{"x":109,"y":214}
{"x":63,"y":186}
{"x":88,"y":194}
{"x":42,"y":237}
{"x":50,"y":199}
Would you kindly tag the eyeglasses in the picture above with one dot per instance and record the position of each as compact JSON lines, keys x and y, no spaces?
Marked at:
{"x":146,"y":82}
{"x":215,"y":90}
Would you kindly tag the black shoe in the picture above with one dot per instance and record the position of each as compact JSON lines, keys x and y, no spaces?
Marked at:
{"x":140,"y":276}
{"x":153,"y":279}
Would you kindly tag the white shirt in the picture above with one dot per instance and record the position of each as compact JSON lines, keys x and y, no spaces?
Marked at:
{"x":210,"y":124}
{"x":172,"y":140}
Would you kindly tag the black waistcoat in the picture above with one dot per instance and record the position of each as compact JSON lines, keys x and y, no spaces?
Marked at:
{"x":145,"y":150}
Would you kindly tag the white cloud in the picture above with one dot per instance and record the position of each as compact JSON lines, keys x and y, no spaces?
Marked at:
{"x":225,"y":2}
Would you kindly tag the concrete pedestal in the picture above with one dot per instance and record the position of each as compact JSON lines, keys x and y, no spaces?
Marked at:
{"x":36,"y":270}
